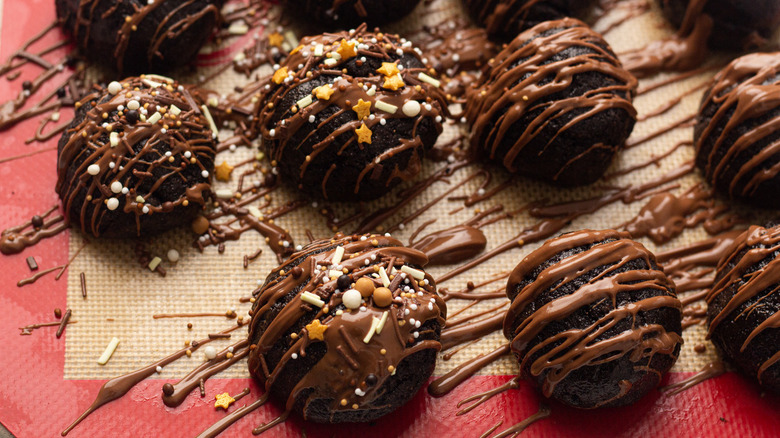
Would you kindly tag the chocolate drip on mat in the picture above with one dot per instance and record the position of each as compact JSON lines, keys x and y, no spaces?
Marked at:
{"x":119,"y":386}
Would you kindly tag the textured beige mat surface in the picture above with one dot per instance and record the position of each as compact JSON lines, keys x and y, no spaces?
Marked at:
{"x":123,"y":296}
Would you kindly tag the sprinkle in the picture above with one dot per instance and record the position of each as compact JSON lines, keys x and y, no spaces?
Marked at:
{"x":359,"y":392}
{"x":31,"y":263}
{"x":145,"y":209}
{"x":114,"y":87}
{"x":393,"y":82}
{"x":173,"y":256}
{"x":133,"y":105}
{"x":372,"y":330}
{"x":93,"y":169}
{"x":319,"y":49}
{"x":364,"y":134}
{"x":224,"y":193}
{"x":223,"y":400}
{"x":363,"y":109}
{"x":306,"y":101}
{"x":324,"y":92}
{"x":416,"y":334}
{"x":154,"y":263}
{"x":312,"y":119}
{"x":371,"y":91}
{"x":158,"y":369}
{"x":223,"y":171}
{"x":352,"y":299}
{"x":112,"y":203}
{"x":312,"y":299}
{"x":388,"y":69}
{"x":386,"y":107}
{"x":204,"y":173}
{"x":151,"y":84}
{"x":383,"y":277}
{"x":275,"y":39}
{"x":175,"y":110}
{"x":316,"y":330}
{"x":346,"y":49}
{"x":330,"y":62}
{"x":411,"y":108}
{"x":338,"y":254}
{"x":210,"y":119}
{"x":210,"y":352}
{"x":416,"y":273}
{"x":382,"y":322}
{"x":109,"y":351}
{"x":113,"y":139}
{"x":427,"y":79}
{"x":294,"y":355}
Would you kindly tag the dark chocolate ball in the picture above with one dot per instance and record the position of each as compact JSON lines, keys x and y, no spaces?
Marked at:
{"x":594,"y":321}
{"x":555,"y":104}
{"x":136,"y":36}
{"x":507,"y":18}
{"x":350,"y":115}
{"x":121,"y":179}
{"x":335,"y":356}
{"x":744,"y":306}
{"x":330,"y":13}
{"x":737,"y":24}
{"x":736,"y":132}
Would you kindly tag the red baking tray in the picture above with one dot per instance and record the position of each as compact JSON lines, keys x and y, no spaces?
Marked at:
{"x":36,"y":400}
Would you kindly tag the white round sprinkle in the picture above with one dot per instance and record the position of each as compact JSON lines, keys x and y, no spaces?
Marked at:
{"x":359,"y":392}
{"x":230,"y":349}
{"x":210,"y":352}
{"x":298,"y":247}
{"x":382,"y":122}
{"x":114,"y":87}
{"x":120,"y":108}
{"x":125,"y":190}
{"x":93,"y":169}
{"x":187,"y":154}
{"x":158,"y":369}
{"x":352,"y":299}
{"x":133,"y":105}
{"x":145,"y":209}
{"x":412,"y":321}
{"x":413,"y":306}
{"x":112,"y":165}
{"x":112,"y":204}
{"x":406,"y":311}
{"x":417,"y":324}
{"x":416,"y":335}
{"x":173,"y":255}
{"x":116,"y":187}
{"x":168,"y":154}
{"x":205,"y":174}
{"x":272,"y":132}
{"x":312,"y":119}
{"x":294,"y":355}
{"x":411,"y":108}
{"x":363,"y":309}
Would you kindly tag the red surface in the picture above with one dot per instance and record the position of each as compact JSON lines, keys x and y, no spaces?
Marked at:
{"x":35,"y":400}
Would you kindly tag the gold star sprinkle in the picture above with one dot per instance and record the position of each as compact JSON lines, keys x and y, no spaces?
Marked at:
{"x":363,"y":109}
{"x":316,"y":330}
{"x":393,"y":82}
{"x":346,"y":50}
{"x":224,"y":400}
{"x":279,"y":75}
{"x":324,"y":92}
{"x":389,"y":69}
{"x":364,"y":134}
{"x":223,"y":171}
{"x":275,"y":39}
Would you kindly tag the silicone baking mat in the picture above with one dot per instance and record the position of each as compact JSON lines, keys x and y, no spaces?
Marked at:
{"x":47,"y":382}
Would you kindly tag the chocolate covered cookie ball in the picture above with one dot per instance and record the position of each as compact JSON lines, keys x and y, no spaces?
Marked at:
{"x":136,"y":36}
{"x":594,"y":321}
{"x":737,"y":130}
{"x":346,"y":13}
{"x":137,"y":158}
{"x":507,"y":18}
{"x":737,"y":24}
{"x":744,"y":307}
{"x":554,"y":105}
{"x":347,"y":329}
{"x":348,"y":116}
